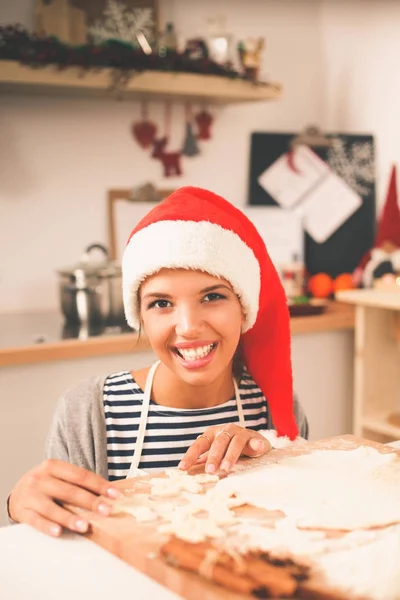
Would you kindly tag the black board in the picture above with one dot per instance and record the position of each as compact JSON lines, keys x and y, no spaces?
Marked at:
{"x":342,"y":252}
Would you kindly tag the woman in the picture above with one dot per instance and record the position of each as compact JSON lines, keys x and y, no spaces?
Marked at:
{"x":198,"y":279}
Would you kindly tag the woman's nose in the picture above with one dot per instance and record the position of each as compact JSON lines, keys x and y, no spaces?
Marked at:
{"x":188,"y":321}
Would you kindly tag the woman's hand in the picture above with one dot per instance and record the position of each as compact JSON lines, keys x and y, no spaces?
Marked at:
{"x":37,"y":496}
{"x":221,"y":446}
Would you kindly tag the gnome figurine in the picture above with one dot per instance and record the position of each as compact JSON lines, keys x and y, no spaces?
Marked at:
{"x":384,"y":258}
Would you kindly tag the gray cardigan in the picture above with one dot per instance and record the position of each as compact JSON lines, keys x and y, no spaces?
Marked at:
{"x":78,"y":431}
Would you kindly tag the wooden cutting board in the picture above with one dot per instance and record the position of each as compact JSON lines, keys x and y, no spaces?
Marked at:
{"x":138,"y":543}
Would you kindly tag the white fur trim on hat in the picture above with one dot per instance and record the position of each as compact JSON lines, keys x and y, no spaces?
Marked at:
{"x":202,"y":246}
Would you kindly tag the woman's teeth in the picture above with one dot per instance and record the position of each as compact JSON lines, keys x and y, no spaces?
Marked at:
{"x":195,"y":353}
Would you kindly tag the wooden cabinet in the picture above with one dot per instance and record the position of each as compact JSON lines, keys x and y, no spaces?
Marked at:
{"x":376,"y":410}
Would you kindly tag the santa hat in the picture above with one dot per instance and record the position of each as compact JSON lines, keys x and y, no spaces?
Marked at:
{"x":389,"y":222}
{"x":196,"y":229}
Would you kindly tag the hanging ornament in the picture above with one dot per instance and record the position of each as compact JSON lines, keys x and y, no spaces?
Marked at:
{"x":204,"y":121}
{"x":144,"y":131}
{"x":190,"y":146}
{"x":171,"y":161}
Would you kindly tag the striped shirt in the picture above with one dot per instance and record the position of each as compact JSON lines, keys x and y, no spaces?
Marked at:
{"x":169,"y":431}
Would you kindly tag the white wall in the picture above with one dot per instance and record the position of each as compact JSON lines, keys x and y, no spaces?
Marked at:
{"x":360,"y":54}
{"x":58,"y":156}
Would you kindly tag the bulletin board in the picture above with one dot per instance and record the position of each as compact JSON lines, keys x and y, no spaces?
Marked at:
{"x":123,"y":214}
{"x":352,"y":158}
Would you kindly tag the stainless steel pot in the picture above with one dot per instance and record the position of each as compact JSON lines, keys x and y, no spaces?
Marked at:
{"x":91,"y":290}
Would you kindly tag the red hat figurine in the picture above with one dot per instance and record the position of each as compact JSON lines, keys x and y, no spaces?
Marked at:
{"x":386,"y":249}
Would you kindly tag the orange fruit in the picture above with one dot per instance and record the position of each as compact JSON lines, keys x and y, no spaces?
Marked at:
{"x":343,"y":282}
{"x":320,"y":285}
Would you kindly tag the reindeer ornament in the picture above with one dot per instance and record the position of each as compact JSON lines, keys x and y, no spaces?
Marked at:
{"x":171,"y":161}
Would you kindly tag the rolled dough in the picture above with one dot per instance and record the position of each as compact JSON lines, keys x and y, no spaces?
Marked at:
{"x":327,"y":489}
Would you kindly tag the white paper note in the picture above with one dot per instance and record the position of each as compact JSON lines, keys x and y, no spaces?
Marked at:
{"x":328,"y":206}
{"x":288,"y":186}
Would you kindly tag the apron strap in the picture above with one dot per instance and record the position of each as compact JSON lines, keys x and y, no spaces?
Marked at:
{"x":134,"y":470}
{"x":242,"y":421}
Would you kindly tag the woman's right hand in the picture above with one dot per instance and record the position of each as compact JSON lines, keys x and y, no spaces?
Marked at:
{"x":38,"y":496}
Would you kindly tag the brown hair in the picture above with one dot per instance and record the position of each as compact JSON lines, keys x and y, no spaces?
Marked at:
{"x":238,"y":364}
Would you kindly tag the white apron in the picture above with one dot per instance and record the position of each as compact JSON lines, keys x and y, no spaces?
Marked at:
{"x":134,"y":470}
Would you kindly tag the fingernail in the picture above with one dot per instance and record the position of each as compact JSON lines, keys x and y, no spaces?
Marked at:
{"x":226,"y":465}
{"x":210,"y":468}
{"x":55,"y":530}
{"x":256,"y":444}
{"x":182,"y":465}
{"x":114,"y":493}
{"x":104,"y":509}
{"x":81,"y":525}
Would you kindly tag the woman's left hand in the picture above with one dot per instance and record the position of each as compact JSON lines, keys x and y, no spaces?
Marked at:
{"x":221,"y":446}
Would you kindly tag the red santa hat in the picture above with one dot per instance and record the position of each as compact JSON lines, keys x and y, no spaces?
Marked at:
{"x":196,"y":229}
{"x":389,"y":222}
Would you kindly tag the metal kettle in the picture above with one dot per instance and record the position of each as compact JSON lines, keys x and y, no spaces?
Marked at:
{"x":91,"y":290}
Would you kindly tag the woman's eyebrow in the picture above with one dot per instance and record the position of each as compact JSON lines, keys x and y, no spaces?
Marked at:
{"x":156,"y":295}
{"x":214,"y":287}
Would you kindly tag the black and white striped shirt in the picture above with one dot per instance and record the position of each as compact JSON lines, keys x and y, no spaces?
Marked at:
{"x":169,"y":431}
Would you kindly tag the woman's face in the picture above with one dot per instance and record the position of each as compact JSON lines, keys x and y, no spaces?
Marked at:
{"x":193,"y":321}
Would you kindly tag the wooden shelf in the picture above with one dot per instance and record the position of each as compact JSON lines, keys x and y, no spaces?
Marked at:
{"x":15,"y":77}
{"x":379,"y":423}
{"x":376,"y":361}
{"x":372,"y":298}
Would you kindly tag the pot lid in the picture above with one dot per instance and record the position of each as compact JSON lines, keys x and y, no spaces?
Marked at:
{"x":94,"y":264}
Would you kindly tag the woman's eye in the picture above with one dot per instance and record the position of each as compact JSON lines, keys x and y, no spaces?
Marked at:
{"x":160,"y":304}
{"x":213,"y":296}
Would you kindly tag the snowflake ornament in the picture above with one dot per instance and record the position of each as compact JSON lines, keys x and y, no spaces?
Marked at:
{"x":354,"y":163}
{"x":122,"y":23}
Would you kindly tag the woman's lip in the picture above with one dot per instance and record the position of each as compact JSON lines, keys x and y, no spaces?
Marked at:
{"x":194,"y":345}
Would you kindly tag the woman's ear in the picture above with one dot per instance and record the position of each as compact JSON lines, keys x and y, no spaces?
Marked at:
{"x":142,"y":328}
{"x":139,"y":307}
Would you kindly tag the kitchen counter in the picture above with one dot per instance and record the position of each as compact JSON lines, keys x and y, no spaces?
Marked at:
{"x":42,"y":336}
{"x":37,"y":567}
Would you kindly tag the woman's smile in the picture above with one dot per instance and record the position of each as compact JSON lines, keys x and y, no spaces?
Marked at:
{"x":195,"y":356}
